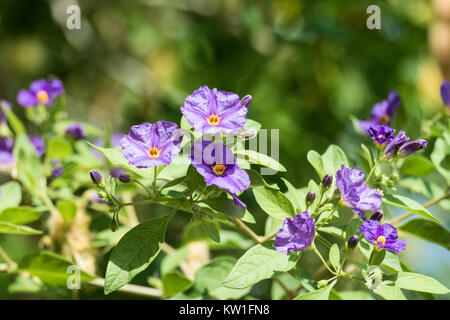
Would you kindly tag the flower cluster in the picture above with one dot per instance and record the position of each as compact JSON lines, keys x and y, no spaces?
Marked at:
{"x":209,"y":112}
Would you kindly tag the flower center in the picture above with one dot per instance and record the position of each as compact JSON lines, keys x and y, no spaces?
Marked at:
{"x":213,"y":120}
{"x":218,"y":169}
{"x":42,"y":97}
{"x":153,"y":152}
{"x":385,"y":119}
{"x":381,"y":239}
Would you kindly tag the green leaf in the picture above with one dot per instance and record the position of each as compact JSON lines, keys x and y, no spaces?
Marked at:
{"x":316,"y":161}
{"x":11,"y":195}
{"x":58,"y":148}
{"x":68,"y":209}
{"x":230,"y":240}
{"x":10,"y":228}
{"x":418,"y":282}
{"x":293,"y":195}
{"x":390,"y":292}
{"x":173,"y":182}
{"x":417,"y":166}
{"x":19,"y":215}
{"x":210,"y":228}
{"x":225,"y":206}
{"x":352,"y":227}
{"x":335,"y":256}
{"x":258,"y":263}
{"x":439,"y":156}
{"x":261,"y":159}
{"x":14,"y":121}
{"x":174,"y":282}
{"x":368,"y":156}
{"x":319,"y":294}
{"x":29,"y":167}
{"x":135,"y":251}
{"x":408,"y":204}
{"x":210,"y":277}
{"x":256,"y":180}
{"x":51,"y":268}
{"x":194,"y":180}
{"x":274,"y":203}
{"x":427,"y":230}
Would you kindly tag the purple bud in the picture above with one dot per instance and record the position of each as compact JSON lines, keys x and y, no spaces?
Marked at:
{"x":327,"y":180}
{"x":76,"y":130}
{"x":6,"y":105}
{"x":377,"y":215}
{"x":411,"y":147}
{"x":353,"y":241}
{"x":246,"y":101}
{"x":95,"y":176}
{"x":392,"y":147}
{"x":124,"y":178}
{"x":38,"y":143}
{"x":310,"y":196}
{"x":445,"y":92}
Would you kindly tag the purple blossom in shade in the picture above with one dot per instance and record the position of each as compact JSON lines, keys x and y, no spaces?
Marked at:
{"x":382,"y":112}
{"x":40,"y":92}
{"x":149,"y":145}
{"x":7,"y":105}
{"x":383,"y":236}
{"x":392,"y":147}
{"x":76,"y":130}
{"x":410,"y":147}
{"x":6,"y":151}
{"x":296,"y":233}
{"x":217,"y":164}
{"x":116,"y":172}
{"x":356,"y":194}
{"x":212,"y":111}
{"x":381,"y":134}
{"x":38,"y":143}
{"x":445,"y":92}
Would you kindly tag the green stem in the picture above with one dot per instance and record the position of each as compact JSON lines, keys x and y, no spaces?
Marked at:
{"x":10,"y":262}
{"x":323,"y":240}
{"x":372,"y":171}
{"x":145,"y":188}
{"x":321,"y":258}
{"x":155,"y":175}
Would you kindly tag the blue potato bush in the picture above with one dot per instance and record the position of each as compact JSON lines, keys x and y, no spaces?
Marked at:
{"x":60,"y":178}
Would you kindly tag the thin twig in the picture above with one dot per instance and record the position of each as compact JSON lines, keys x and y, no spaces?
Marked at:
{"x":131,"y":288}
{"x":241,"y":225}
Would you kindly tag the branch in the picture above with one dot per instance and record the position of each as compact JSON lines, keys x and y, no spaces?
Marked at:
{"x":131,"y":288}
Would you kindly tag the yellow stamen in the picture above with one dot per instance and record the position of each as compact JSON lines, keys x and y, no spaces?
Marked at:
{"x":219,"y":169}
{"x":213,"y":120}
{"x":380,"y":136}
{"x":153,"y":153}
{"x":42,"y":97}
{"x":381,"y":239}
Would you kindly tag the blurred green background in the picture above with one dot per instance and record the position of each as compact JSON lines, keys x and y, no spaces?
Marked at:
{"x":309,"y":65}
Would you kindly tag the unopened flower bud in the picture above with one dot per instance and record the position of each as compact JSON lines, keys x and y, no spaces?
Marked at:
{"x":411,"y":147}
{"x":195,"y":208}
{"x":95,"y":176}
{"x":124,"y":178}
{"x":377,"y":215}
{"x":310,"y":196}
{"x":322,"y":284}
{"x":327,"y":180}
{"x":353,"y":241}
{"x":246,"y":101}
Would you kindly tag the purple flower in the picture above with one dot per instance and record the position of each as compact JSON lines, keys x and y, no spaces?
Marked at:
{"x":7,"y":105}
{"x":392,"y":147}
{"x":6,"y":151}
{"x":38,"y":143}
{"x":76,"y":130}
{"x":355,"y":192}
{"x":296,"y":233}
{"x":382,"y":112}
{"x":217,"y":164}
{"x":149,"y":145}
{"x":40,"y":92}
{"x":383,"y":236}
{"x":410,"y":147}
{"x":381,"y":134}
{"x":213,"y":111}
{"x":445,"y":92}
